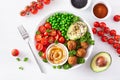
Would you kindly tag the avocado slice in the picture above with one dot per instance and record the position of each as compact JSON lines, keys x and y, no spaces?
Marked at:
{"x":77,"y":30}
{"x":101,"y":62}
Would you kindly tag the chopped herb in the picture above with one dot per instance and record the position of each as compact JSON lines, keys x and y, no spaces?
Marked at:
{"x":80,"y":60}
{"x":37,"y":32}
{"x":40,"y":54}
{"x":59,"y":67}
{"x":48,"y":30}
{"x":45,"y":60}
{"x":72,"y":53}
{"x":56,"y":42}
{"x":54,"y":67}
{"x":18,"y":59}
{"x":21,"y":68}
{"x":65,"y":44}
{"x":25,"y":59}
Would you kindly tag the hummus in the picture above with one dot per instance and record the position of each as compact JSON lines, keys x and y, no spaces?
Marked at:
{"x":57,"y":54}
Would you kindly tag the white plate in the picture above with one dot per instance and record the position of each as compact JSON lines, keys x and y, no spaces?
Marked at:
{"x":89,"y":50}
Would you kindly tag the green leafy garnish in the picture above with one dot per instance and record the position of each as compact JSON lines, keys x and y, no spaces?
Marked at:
{"x":45,"y":60}
{"x":48,"y":30}
{"x":56,"y":42}
{"x":21,"y":68}
{"x":59,"y":67}
{"x":80,"y":60}
{"x":37,"y":32}
{"x":25,"y":59}
{"x":18,"y":59}
{"x":66,"y":66}
{"x":40,"y":54}
{"x":54,"y":67}
{"x":72,"y":53}
{"x":87,"y":38}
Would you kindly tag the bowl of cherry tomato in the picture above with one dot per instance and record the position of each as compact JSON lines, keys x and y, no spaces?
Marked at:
{"x":53,"y":29}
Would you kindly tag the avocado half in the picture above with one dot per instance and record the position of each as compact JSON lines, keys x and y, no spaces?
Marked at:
{"x":97,"y":68}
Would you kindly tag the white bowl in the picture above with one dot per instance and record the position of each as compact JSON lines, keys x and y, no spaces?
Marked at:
{"x":61,"y":46}
{"x":106,"y":3}
{"x":85,"y":7}
{"x":90,"y":48}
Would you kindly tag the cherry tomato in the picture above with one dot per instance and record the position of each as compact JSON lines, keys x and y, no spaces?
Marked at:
{"x":44,"y":49}
{"x":116,"y":45}
{"x":51,"y":39}
{"x":34,"y":10}
{"x":57,"y":37}
{"x":33,"y":3}
{"x":43,"y":55}
{"x":46,"y":2}
{"x":104,"y":38}
{"x":116,"y":18}
{"x":59,"y":33}
{"x":46,"y":34}
{"x":100,"y":33}
{"x":53,"y":32}
{"x":118,"y":50}
{"x":47,"y":25}
{"x":27,"y":8}
{"x":15,"y":52}
{"x":38,"y":37}
{"x":42,"y":29}
{"x":96,"y":24}
{"x":44,"y":41}
{"x":39,"y":46}
{"x":117,"y":37}
{"x":102,"y":24}
{"x":39,"y":5}
{"x":23,"y":13}
{"x":61,"y":40}
{"x":106,"y":30}
{"x":113,"y":32}
{"x":94,"y":30}
{"x":111,"y":41}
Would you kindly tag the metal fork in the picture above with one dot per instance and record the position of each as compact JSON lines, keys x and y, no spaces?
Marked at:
{"x":26,"y":37}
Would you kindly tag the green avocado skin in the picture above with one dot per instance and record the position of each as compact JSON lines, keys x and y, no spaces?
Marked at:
{"x":92,"y":67}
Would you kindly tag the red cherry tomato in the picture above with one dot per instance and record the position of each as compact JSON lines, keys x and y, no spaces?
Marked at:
{"x":44,"y":41}
{"x":111,"y":41}
{"x":15,"y":52}
{"x":57,"y":37}
{"x":102,"y":24}
{"x":34,"y":10}
{"x":46,"y":2}
{"x":46,"y":34}
{"x":106,"y":30}
{"x":113,"y":32}
{"x":33,"y":4}
{"x":59,"y":33}
{"x":23,"y":13}
{"x":118,"y":51}
{"x":39,"y":46}
{"x":43,"y":55}
{"x":44,"y":49}
{"x":94,"y":30}
{"x":53,"y":32}
{"x":116,"y":18}
{"x":39,"y":5}
{"x":100,"y":33}
{"x":27,"y":8}
{"x":42,"y":29}
{"x":61,"y":40}
{"x":96,"y":24}
{"x":38,"y":37}
{"x":116,"y":45}
{"x":104,"y":38}
{"x":117,"y":37}
{"x":51,"y":39}
{"x":47,"y":25}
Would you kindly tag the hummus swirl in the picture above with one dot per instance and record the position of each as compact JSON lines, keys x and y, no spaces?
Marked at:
{"x":56,"y":54}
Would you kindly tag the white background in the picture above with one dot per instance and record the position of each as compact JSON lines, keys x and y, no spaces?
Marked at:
{"x":10,"y":39}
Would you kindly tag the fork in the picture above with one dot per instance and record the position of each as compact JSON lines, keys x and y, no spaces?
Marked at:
{"x":26,"y":37}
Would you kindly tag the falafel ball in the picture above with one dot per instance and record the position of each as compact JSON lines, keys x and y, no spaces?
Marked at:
{"x":72,"y":60}
{"x":71,"y":45}
{"x":81,"y":52}
{"x":84,"y":45}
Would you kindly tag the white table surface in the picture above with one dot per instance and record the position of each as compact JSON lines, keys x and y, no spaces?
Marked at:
{"x":10,"y":39}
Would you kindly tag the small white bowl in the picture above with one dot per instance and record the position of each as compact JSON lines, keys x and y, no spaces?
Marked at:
{"x":61,"y":46}
{"x":85,"y":7}
{"x":106,"y":3}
